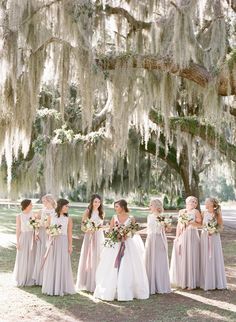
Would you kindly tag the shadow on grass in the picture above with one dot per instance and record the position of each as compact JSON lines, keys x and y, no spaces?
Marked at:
{"x":177,"y":306}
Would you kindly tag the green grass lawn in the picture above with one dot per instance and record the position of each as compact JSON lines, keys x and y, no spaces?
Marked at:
{"x":29,"y":304}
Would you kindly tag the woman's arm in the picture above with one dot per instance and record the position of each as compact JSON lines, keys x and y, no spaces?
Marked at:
{"x":178,"y":227}
{"x":48,"y":222}
{"x":112,"y":223}
{"x":220,"y":219}
{"x":85,"y":215}
{"x":133,"y":220}
{"x":18,"y":231}
{"x":198,"y":220}
{"x":69,"y":233}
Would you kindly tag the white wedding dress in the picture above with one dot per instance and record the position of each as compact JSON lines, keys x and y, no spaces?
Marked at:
{"x":130,"y":281}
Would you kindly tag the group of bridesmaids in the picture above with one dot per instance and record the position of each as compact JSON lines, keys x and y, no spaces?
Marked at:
{"x":127,"y":270}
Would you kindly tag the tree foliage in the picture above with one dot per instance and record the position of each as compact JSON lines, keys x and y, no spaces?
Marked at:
{"x":90,"y":89}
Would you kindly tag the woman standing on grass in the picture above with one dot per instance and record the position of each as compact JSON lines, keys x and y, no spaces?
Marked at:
{"x":121,"y":273}
{"x":49,"y":205}
{"x":185,"y":260}
{"x":57,"y":277}
{"x":92,"y":244}
{"x":212,"y":261}
{"x":25,"y":245}
{"x":156,"y":251}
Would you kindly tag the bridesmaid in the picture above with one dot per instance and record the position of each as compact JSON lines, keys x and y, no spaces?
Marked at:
{"x":185,"y":260}
{"x":49,"y":205}
{"x":57,"y":277}
{"x":25,"y":256}
{"x":92,"y":246}
{"x":156,"y":252}
{"x":212,"y":261}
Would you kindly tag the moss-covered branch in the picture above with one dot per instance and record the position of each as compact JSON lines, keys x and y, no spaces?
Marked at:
{"x":226,"y":78}
{"x":134,"y":23}
{"x":205,"y":131}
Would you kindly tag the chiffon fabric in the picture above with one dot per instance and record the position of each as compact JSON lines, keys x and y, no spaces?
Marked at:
{"x":156,"y":257}
{"x":185,"y":260}
{"x":25,"y":255}
{"x":90,"y":256}
{"x":41,"y":246}
{"x":212,"y":260}
{"x":57,"y":277}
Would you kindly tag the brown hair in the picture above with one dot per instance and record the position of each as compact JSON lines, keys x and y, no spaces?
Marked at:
{"x":123,"y":204}
{"x":60,"y":204}
{"x":25,"y":203}
{"x":100,"y":208}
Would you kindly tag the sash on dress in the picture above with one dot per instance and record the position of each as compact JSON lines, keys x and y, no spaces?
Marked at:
{"x":120,"y":255}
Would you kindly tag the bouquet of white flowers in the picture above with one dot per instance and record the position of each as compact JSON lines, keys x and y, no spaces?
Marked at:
{"x":34,"y":223}
{"x":89,"y":225}
{"x":185,"y":218}
{"x":164,"y":221}
{"x":54,"y":230}
{"x":211,"y":227}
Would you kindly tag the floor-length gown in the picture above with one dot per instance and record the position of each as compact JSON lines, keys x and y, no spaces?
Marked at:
{"x":212,"y":260}
{"x":185,"y":260}
{"x":25,"y":255}
{"x":130,"y":281}
{"x":41,"y":246}
{"x":90,"y":256}
{"x":156,"y":257}
{"x":57,"y":277}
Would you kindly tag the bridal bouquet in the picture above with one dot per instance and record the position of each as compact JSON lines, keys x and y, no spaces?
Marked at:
{"x":185,"y":218}
{"x":34,"y":223}
{"x":89,"y":225}
{"x":54,"y":230}
{"x":120,"y":233}
{"x":164,"y":221}
{"x":211,"y":227}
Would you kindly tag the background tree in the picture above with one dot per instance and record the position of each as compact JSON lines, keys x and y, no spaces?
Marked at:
{"x":124,"y":80}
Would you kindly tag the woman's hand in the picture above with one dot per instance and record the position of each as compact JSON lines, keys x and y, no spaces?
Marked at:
{"x":70,"y":250}
{"x":18,"y":246}
{"x":168,"y":229}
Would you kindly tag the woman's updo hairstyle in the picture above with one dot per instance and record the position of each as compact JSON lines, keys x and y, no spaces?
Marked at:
{"x":123,"y":204}
{"x":25,"y":203}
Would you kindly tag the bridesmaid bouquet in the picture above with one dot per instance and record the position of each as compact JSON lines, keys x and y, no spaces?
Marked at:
{"x":185,"y":218}
{"x":34,"y":223}
{"x":89,"y":225}
{"x":164,"y":221}
{"x":211,"y":227}
{"x":54,"y":230}
{"x":120,"y":233}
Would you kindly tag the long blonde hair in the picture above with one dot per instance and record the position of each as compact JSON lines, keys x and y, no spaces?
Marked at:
{"x":216,"y":206}
{"x":49,"y":198}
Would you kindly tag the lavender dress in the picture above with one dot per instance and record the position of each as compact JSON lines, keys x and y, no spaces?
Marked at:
{"x":212,"y":260}
{"x":90,"y":257}
{"x":57,"y":276}
{"x":25,"y":255}
{"x":185,"y":260}
{"x":156,"y":257}
{"x":41,"y":246}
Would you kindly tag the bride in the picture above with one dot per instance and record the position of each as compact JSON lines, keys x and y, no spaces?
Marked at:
{"x":121,"y":273}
